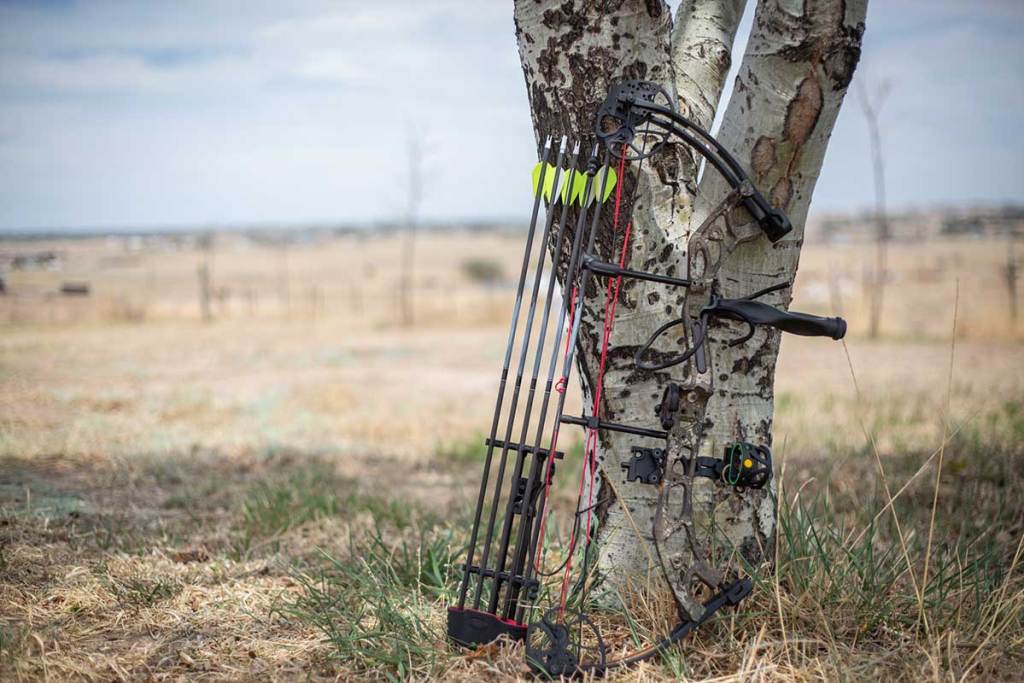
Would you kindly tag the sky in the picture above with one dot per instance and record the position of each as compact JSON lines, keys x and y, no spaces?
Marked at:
{"x":124,"y":115}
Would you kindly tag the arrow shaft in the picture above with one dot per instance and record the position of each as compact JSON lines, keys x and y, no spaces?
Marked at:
{"x":464,"y":587}
{"x":524,"y":349}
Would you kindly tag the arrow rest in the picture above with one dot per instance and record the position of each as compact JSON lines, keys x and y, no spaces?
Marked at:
{"x":647,"y":465}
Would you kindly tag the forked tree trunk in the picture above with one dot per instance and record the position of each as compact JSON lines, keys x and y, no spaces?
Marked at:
{"x":796,"y":70}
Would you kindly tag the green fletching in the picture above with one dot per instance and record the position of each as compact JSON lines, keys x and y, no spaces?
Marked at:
{"x":579,"y":184}
{"x":574,"y":193}
{"x":549,"y":180}
{"x":565,"y":189}
{"x":609,"y":184}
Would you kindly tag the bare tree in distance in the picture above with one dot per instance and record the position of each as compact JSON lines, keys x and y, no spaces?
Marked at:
{"x":284,"y":287}
{"x":871,"y":102}
{"x":1011,"y":272}
{"x":414,"y":156}
{"x":204,"y":273}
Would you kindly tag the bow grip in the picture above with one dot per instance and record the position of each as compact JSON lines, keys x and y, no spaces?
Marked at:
{"x":757,"y":313}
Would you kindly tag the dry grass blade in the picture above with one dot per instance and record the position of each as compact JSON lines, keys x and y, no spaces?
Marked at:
{"x":885,"y":484}
{"x":942,"y":446}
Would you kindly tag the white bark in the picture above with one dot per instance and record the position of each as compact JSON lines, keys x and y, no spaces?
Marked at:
{"x":798,"y":64}
{"x":702,"y":54}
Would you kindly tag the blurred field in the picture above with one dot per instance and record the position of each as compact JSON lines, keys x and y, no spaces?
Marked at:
{"x":167,"y":485}
{"x":460,"y":278}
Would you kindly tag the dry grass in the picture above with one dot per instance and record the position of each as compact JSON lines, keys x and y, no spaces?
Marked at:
{"x":460,"y":279}
{"x":280,"y":494}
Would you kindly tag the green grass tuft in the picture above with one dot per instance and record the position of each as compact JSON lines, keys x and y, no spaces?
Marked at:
{"x":467,"y":451}
{"x":313,"y":492}
{"x":13,"y":641}
{"x":142,"y":592}
{"x":377,"y":605}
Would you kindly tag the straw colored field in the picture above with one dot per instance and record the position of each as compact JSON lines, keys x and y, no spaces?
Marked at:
{"x":460,"y":278}
{"x":169,"y":488}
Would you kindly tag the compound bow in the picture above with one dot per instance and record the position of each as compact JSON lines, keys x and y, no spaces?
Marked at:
{"x":564,"y":641}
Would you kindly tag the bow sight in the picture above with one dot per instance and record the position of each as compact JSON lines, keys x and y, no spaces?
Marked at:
{"x":504,"y":582}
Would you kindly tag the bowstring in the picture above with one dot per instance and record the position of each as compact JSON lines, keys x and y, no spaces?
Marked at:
{"x":561,"y":387}
{"x":588,"y":473}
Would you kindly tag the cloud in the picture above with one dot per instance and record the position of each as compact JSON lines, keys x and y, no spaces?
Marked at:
{"x":116,"y":113}
{"x":119,"y":73}
{"x":203,"y":112}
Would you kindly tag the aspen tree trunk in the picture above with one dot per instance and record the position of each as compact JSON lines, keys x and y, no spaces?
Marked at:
{"x":797,"y":67}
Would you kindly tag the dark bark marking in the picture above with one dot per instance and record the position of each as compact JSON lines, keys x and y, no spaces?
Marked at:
{"x":751,"y":550}
{"x":840,"y":63}
{"x":803,"y":111}
{"x":825,"y":40}
{"x":564,"y":14}
{"x":667,"y":165}
{"x":781,"y":193}
{"x":655,"y":8}
{"x":763,"y":156}
{"x":739,"y":432}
